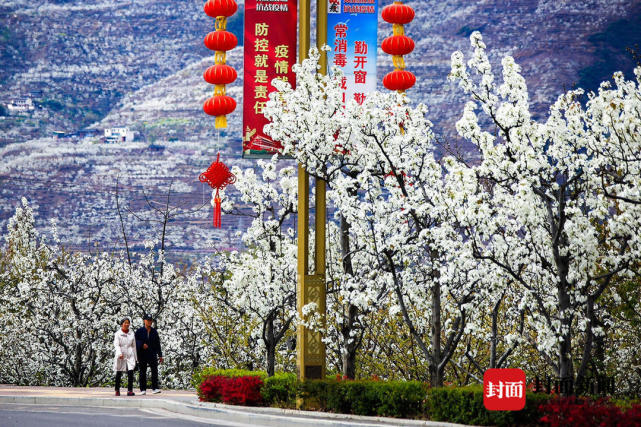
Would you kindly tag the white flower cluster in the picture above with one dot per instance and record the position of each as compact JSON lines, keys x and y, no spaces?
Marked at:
{"x":59,"y":310}
{"x":553,"y":206}
{"x":534,"y":246}
{"x":533,"y":236}
{"x":260,"y":282}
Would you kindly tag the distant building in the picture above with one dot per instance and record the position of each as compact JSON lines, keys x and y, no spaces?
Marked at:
{"x":118,"y":134}
{"x":21,"y":105}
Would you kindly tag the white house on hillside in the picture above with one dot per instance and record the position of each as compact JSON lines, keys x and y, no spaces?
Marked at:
{"x":21,"y":105}
{"x":119,"y":134}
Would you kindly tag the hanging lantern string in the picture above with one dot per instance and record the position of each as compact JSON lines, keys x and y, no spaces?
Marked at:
{"x":399,"y":62}
{"x":221,"y":23}
{"x":218,"y":175}
{"x":398,"y":45}
{"x":220,"y":41}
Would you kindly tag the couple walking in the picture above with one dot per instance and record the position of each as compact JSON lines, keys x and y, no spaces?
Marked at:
{"x":142,"y":347}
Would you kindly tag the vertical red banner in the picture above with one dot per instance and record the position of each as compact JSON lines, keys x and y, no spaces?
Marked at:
{"x":270,"y":53}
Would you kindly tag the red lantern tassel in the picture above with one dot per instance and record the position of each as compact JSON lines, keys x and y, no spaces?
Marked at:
{"x":217,"y":211}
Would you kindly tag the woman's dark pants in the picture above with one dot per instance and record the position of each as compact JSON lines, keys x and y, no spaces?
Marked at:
{"x":130,"y":380}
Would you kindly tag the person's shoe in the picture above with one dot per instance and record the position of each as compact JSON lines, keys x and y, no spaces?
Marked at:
{"x":155,"y":391}
{"x":131,"y":393}
{"x":117,"y":392}
{"x":143,"y":392}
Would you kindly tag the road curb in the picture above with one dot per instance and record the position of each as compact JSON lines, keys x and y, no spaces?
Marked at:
{"x":238,"y":414}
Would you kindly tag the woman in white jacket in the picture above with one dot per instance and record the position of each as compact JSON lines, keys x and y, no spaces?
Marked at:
{"x":126,"y":357}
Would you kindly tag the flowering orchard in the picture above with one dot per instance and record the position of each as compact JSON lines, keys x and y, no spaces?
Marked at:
{"x":553,"y":205}
{"x":59,"y":310}
{"x":439,"y":268}
{"x":532,"y":250}
{"x":259,"y":283}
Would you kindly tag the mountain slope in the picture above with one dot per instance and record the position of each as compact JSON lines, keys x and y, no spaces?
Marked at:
{"x":139,"y":63}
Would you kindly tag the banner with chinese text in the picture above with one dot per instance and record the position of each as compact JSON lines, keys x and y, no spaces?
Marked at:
{"x":351,"y":35}
{"x":270,"y":52}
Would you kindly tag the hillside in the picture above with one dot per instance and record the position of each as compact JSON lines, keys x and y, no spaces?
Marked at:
{"x":139,"y":63}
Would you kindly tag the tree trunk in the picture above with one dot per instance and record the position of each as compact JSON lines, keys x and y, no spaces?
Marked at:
{"x":495,"y":333}
{"x":436,"y":374}
{"x":351,"y":345}
{"x":565,"y":346}
{"x":271,"y":359}
{"x":270,"y":346}
{"x":589,"y":340}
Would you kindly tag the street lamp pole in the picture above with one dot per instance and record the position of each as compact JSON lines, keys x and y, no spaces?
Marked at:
{"x":310,"y":349}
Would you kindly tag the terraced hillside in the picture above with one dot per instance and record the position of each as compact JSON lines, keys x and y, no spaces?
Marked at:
{"x":139,"y":63}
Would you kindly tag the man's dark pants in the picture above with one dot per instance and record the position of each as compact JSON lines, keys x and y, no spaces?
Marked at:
{"x":153,"y":364}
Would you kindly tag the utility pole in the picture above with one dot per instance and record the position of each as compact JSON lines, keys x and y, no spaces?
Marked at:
{"x":310,"y":349}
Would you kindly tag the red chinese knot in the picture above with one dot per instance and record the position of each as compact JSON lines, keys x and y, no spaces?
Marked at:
{"x":218,"y":176}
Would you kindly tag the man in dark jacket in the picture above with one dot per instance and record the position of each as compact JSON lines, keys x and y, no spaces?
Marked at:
{"x":149,"y":353}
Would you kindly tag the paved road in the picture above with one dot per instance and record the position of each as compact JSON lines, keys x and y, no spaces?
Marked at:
{"x":28,"y":415}
{"x":97,"y":407}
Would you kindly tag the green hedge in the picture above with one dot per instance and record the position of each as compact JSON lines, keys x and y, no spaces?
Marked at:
{"x":400,"y":399}
{"x":280,"y":390}
{"x":465,"y":405}
{"x":365,"y":397}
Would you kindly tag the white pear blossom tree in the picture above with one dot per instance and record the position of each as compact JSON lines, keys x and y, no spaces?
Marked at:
{"x":535,"y":206}
{"x":377,"y":158}
{"x":260,"y":282}
{"x":612,"y":129}
{"x":59,"y":310}
{"x":312,"y":116}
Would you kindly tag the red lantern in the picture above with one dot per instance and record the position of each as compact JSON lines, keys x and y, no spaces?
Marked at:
{"x":399,"y":80}
{"x":218,"y":177}
{"x":398,"y":14}
{"x":220,"y":74}
{"x":216,"y":8}
{"x":398,"y":45}
{"x":220,"y":105}
{"x":221,"y":41}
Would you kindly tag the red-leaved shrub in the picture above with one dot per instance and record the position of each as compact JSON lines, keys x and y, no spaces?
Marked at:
{"x":209,"y":389}
{"x":572,"y":411}
{"x":231,"y":390}
{"x":243,"y":391}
